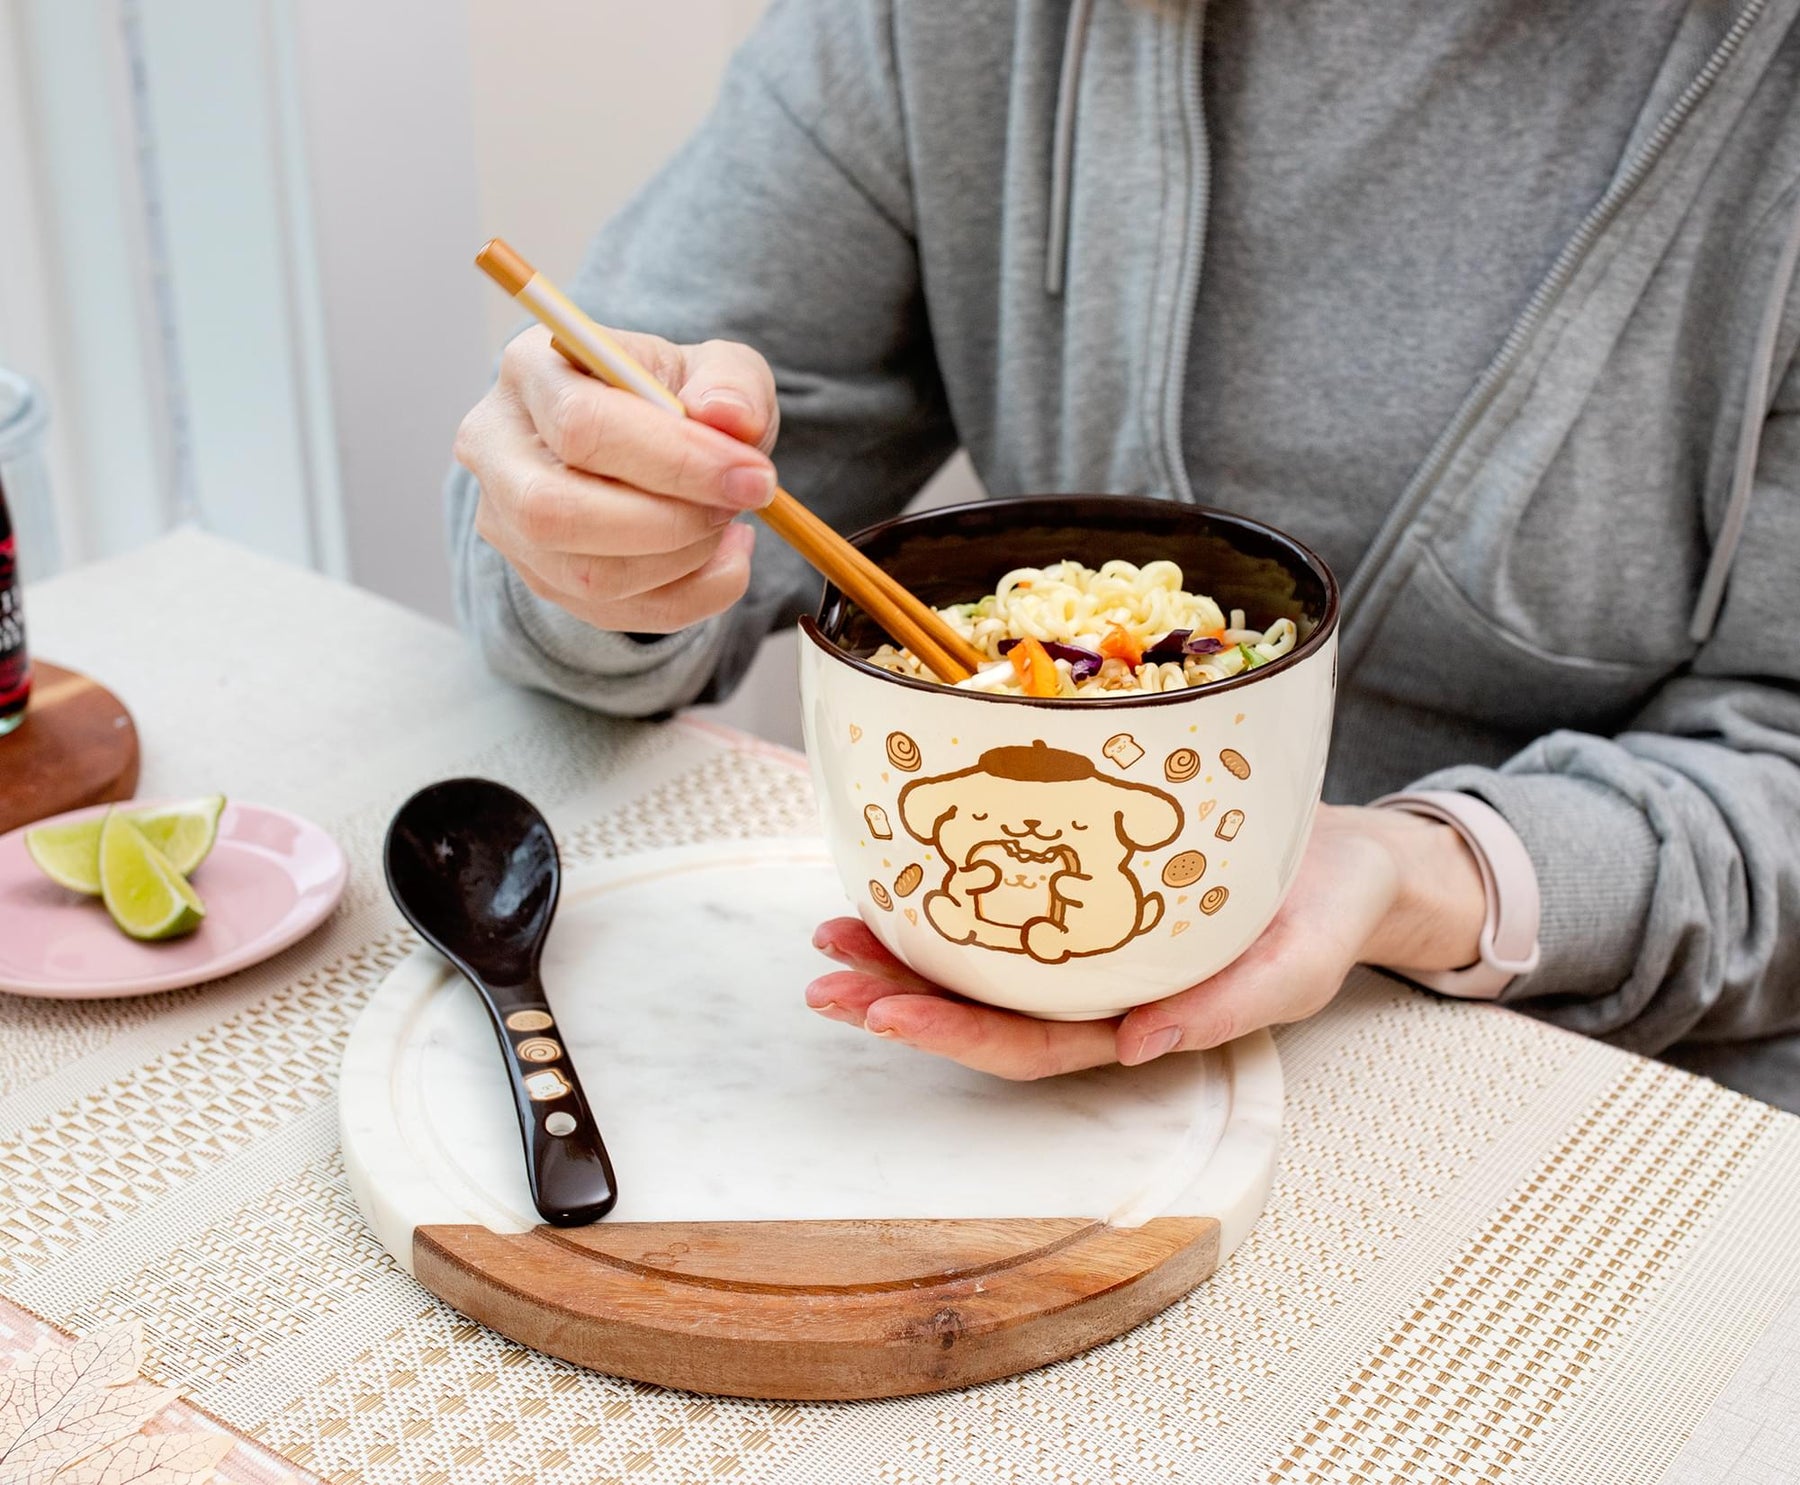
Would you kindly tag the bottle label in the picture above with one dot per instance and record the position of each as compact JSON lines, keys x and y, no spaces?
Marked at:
{"x":15,"y":665}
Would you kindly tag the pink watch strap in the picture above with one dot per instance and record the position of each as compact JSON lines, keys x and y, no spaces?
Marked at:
{"x":1509,"y":937}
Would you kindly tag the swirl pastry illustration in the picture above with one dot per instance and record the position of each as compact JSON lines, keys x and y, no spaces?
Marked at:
{"x":1181,"y":765}
{"x":903,"y":752}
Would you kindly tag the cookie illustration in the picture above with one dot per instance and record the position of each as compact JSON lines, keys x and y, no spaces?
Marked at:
{"x":1123,"y":749}
{"x":1234,"y":763}
{"x":903,"y":752}
{"x":1181,"y":765}
{"x":855,"y":733}
{"x":1184,"y":870}
{"x":1213,"y":900}
{"x":1229,"y":824}
{"x":875,"y":817}
{"x":879,"y":894}
{"x":908,"y":881}
{"x":1179,"y":929}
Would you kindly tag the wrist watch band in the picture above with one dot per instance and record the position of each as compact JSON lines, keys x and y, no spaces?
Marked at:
{"x":1509,"y":936}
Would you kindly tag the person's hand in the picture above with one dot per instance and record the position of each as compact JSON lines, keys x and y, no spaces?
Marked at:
{"x":607,"y":504}
{"x":1375,"y":887}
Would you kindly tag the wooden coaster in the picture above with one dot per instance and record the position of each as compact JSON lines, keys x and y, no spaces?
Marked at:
{"x":77,"y":746}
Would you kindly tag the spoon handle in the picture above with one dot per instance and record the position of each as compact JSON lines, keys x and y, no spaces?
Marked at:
{"x":571,"y":1175}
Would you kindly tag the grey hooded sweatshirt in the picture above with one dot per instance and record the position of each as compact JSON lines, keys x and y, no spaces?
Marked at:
{"x":986,"y":224}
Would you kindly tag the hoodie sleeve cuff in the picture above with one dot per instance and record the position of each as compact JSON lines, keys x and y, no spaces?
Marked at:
{"x":1595,"y":858}
{"x":626,"y":676}
{"x":1509,"y":933}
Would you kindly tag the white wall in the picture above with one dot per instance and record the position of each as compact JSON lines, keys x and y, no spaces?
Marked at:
{"x":390,"y":148}
{"x":575,"y":105}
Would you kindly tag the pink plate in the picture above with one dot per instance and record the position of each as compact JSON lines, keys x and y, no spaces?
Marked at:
{"x":271,"y":878}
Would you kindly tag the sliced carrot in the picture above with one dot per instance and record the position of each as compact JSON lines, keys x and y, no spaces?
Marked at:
{"x":1120,"y":644}
{"x":1036,"y":670}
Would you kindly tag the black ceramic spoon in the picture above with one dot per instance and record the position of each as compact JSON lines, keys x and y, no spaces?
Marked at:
{"x":473,"y":867}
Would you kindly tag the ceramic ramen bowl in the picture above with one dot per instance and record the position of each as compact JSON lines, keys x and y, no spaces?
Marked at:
{"x":1071,"y":859}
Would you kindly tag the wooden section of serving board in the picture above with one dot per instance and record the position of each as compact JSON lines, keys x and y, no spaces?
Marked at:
{"x":77,"y":746}
{"x":812,"y":1310}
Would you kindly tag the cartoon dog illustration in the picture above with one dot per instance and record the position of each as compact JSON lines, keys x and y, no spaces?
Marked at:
{"x":1036,"y":845}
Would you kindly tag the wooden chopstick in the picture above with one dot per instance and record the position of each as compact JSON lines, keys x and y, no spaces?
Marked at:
{"x":590,"y":348}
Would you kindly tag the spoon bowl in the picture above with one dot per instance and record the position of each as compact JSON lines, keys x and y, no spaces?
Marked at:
{"x":473,"y":867}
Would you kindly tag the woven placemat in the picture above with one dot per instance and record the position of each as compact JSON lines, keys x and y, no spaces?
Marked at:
{"x":1494,"y":1251}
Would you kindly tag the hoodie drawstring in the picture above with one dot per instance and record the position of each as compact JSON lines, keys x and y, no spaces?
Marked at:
{"x":1062,"y":148}
{"x":1756,"y":411}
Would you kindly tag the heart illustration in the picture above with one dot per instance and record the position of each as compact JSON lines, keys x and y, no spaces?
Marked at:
{"x":1205,"y":808}
{"x":855,"y":733}
{"x":912,"y":917}
{"x":1179,"y":929}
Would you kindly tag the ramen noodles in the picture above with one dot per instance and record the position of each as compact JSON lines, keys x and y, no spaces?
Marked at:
{"x":1116,"y":630}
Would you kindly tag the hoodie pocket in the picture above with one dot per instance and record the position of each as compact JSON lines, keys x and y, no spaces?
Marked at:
{"x":1437,"y":652}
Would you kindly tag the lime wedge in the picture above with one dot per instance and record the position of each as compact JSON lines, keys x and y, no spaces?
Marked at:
{"x":183,"y":832}
{"x":70,"y":854}
{"x":146,"y":896}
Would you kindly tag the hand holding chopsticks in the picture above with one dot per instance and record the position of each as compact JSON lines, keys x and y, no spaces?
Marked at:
{"x":591,"y":348}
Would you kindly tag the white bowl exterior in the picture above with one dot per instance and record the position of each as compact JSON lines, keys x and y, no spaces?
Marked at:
{"x":1236,"y":771}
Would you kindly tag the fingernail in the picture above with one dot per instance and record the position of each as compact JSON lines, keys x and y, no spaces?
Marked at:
{"x":748,"y":488}
{"x":1154,"y":1045}
{"x":832,"y":1011}
{"x":723,"y":517}
{"x":725,"y":397}
{"x":883,"y":1031}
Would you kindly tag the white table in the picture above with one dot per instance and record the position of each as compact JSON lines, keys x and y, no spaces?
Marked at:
{"x":1494,"y":1251}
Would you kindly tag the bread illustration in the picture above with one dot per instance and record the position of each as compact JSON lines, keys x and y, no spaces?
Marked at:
{"x":1184,"y":870}
{"x":1229,"y":824}
{"x":875,"y":817}
{"x":1123,"y":749}
{"x":908,"y":881}
{"x":903,"y":752}
{"x":880,"y":896}
{"x":1181,"y":765}
{"x":1234,"y":763}
{"x":1213,"y":900}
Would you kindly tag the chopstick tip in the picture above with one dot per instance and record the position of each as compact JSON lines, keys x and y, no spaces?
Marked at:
{"x":504,"y":266}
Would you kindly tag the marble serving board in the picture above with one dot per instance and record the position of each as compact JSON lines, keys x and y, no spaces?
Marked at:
{"x":760,"y":1147}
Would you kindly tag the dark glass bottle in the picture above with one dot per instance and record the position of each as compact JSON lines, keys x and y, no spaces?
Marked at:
{"x":15,"y":663}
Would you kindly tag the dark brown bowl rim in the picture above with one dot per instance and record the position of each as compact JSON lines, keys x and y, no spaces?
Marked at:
{"x":1314,"y":642}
